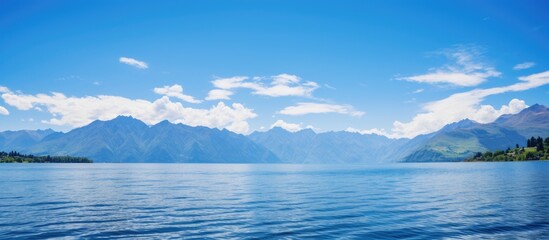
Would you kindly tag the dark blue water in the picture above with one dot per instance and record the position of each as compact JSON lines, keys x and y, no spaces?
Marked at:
{"x":417,"y":201}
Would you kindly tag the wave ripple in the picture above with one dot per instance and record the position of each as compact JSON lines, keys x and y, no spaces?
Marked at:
{"x":400,"y":201}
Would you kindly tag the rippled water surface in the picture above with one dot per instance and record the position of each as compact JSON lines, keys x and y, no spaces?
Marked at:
{"x":419,"y":201}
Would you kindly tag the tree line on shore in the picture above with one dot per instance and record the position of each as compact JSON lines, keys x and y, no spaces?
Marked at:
{"x":536,"y":149}
{"x":16,"y":157}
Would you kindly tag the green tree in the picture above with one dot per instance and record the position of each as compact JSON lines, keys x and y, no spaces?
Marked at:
{"x":477,"y":155}
{"x":539,"y":147}
{"x":532,"y":142}
{"x":498,"y":152}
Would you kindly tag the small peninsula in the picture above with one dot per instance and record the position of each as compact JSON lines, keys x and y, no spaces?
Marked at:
{"x":536,"y":149}
{"x":16,"y":157}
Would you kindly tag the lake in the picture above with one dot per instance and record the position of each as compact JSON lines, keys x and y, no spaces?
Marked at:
{"x":396,"y":201}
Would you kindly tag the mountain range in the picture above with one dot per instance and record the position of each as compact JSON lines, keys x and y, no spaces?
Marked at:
{"x":126,"y":139}
{"x":460,"y":140}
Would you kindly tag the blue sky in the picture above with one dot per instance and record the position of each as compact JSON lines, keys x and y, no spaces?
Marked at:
{"x":398,"y":68}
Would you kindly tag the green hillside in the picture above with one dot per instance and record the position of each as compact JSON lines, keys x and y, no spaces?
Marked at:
{"x":460,"y":142}
{"x":536,"y":149}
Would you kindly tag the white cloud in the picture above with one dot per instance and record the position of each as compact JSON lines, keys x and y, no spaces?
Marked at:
{"x":285,"y":79}
{"x":4,"y":89}
{"x":463,"y":105}
{"x":234,"y":82}
{"x":280,"y":85}
{"x":308,"y":108}
{"x":455,"y":78}
{"x":524,"y":65}
{"x":79,"y":111}
{"x":487,"y":113}
{"x":377,"y":131}
{"x":465,"y":70}
{"x":4,"y":111}
{"x":175,"y":91}
{"x":279,"y":90}
{"x":418,"y":91}
{"x":218,"y":94}
{"x":291,"y":127}
{"x":133,"y":62}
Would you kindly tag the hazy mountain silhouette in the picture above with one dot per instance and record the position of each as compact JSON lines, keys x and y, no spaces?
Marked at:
{"x":126,"y":139}
{"x":306,"y":146}
{"x":20,"y":140}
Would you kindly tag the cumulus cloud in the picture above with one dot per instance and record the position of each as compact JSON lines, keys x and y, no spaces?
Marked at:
{"x":304,"y":108}
{"x":133,"y":62}
{"x":4,"y":89}
{"x":524,"y":65}
{"x":465,"y":70}
{"x":437,"y":114}
{"x":290,"y":127}
{"x":279,"y":86}
{"x":219,"y":94}
{"x":175,"y":91}
{"x":79,"y":111}
{"x":487,"y":113}
{"x":4,"y":111}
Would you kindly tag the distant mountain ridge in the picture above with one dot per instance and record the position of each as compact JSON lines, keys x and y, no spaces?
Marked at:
{"x":22,"y":139}
{"x":306,"y":146}
{"x":125,"y":139}
{"x":532,"y":121}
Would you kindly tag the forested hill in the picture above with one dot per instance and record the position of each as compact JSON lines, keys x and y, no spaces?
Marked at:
{"x":15,"y":157}
{"x":536,"y":149}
